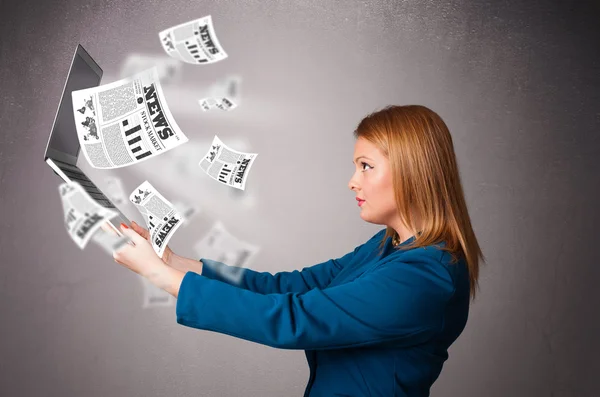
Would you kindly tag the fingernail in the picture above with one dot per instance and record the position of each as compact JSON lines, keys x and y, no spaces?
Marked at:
{"x":124,"y":225}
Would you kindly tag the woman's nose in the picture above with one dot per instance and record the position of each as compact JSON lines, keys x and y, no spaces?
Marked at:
{"x":352,"y":185}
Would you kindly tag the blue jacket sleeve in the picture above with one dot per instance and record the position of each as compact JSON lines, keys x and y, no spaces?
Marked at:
{"x":317,"y":276}
{"x":400,"y":302}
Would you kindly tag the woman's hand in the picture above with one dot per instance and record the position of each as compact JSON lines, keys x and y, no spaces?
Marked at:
{"x":139,"y":258}
{"x":168,"y":254}
{"x":142,"y":259}
{"x":170,"y":258}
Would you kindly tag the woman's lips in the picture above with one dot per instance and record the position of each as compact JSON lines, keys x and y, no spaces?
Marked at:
{"x":361,"y":202}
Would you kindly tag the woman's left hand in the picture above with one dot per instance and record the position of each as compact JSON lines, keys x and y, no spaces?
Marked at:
{"x":141,"y":258}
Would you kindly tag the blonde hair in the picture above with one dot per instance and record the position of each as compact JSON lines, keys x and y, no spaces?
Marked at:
{"x":426,"y":180}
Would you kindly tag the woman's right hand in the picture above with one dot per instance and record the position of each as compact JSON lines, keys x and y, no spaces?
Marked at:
{"x":170,"y":258}
{"x":168,"y":254}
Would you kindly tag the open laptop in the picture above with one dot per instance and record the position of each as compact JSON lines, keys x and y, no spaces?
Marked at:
{"x":62,"y":149}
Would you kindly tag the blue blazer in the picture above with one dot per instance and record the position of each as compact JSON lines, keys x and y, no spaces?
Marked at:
{"x":370,"y":324}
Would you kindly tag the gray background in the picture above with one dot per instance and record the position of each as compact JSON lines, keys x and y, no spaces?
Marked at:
{"x":517,"y":83}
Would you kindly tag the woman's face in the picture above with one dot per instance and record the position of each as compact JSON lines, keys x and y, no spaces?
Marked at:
{"x":372,"y":182}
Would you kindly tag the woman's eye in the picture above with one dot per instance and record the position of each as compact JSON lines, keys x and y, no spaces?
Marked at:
{"x":365,"y":164}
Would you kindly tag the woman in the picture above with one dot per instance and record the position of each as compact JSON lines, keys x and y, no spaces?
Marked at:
{"x":379,"y":320}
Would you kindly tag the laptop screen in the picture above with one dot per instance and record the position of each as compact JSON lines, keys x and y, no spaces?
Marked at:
{"x":64,"y":134}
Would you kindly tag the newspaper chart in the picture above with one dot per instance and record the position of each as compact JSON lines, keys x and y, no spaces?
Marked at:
{"x":83,"y":215}
{"x":125,"y":122}
{"x":162,"y":219}
{"x":226,"y":165}
{"x":193,"y":42}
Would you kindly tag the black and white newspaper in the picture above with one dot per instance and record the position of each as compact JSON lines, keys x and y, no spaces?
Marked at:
{"x":193,"y":42}
{"x":226,"y":165}
{"x":83,"y":216}
{"x":162,"y":218}
{"x":125,"y":122}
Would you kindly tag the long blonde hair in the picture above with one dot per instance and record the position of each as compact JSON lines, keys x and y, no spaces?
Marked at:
{"x":426,"y":180}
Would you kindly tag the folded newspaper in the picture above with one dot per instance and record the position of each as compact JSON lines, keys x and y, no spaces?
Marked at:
{"x":193,"y":42}
{"x":83,"y":215}
{"x":162,"y":218}
{"x":226,"y":165}
{"x":125,"y":122}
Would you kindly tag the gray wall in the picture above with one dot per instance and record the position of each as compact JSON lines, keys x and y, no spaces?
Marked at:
{"x":517,"y":83}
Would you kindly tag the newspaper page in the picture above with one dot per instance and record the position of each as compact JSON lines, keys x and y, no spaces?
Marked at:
{"x":221,"y":246}
{"x":154,"y":296}
{"x":162,"y":219}
{"x":125,"y":122}
{"x":221,"y":103}
{"x":193,"y":42}
{"x":226,"y":165}
{"x":83,"y":215}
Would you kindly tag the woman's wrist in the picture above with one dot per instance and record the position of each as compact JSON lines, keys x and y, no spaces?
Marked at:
{"x":168,"y":257}
{"x":166,"y":278}
{"x":184,"y":264}
{"x":175,"y":261}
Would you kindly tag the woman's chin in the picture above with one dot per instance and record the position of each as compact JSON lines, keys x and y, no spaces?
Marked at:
{"x":365,"y":217}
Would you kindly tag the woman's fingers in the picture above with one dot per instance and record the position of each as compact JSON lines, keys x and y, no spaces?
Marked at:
{"x":140,"y":230}
{"x":132,"y":234}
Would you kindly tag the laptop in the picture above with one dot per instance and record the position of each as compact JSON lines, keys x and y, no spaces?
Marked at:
{"x":62,"y":149}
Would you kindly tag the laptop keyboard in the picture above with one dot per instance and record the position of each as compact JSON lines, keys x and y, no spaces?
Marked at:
{"x":76,"y":175}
